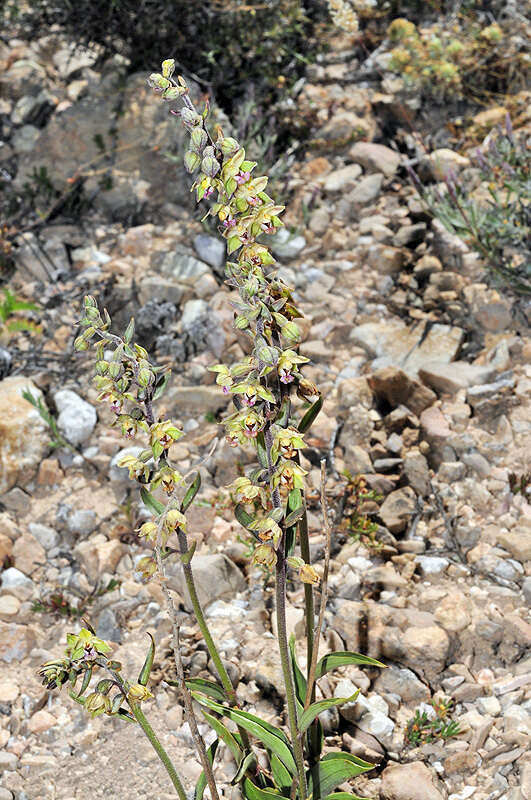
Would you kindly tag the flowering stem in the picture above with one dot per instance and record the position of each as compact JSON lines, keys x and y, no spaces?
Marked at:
{"x":203,"y":627}
{"x":286,"y":667}
{"x":158,"y":748}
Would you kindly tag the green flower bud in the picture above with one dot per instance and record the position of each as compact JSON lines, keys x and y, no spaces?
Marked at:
{"x":137,"y":693}
{"x":114,"y":369}
{"x":168,"y":67}
{"x":198,"y":140}
{"x":190,"y":118}
{"x":229,"y":146}
{"x":191,"y":161}
{"x":145,"y":377}
{"x":265,"y":556}
{"x":172,"y":93}
{"x":81,"y":344}
{"x":210,"y":166}
{"x":158,"y":81}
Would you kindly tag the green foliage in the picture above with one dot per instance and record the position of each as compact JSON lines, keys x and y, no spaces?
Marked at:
{"x":495,"y":219}
{"x":424,"y":727}
{"x":10,"y":323}
{"x":359,"y":502}
{"x":57,"y":440}
{"x":457,"y":59}
{"x":228,"y":44}
{"x":71,"y":603}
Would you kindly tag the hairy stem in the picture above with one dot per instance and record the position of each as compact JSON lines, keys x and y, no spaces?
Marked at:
{"x":286,"y":668}
{"x":190,"y":715}
{"x":158,"y":748}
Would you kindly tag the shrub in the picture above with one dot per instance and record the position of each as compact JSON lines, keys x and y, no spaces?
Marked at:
{"x":459,"y":60}
{"x":494,"y":219}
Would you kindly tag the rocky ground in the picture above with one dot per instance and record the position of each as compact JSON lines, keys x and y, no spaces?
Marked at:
{"x":425,"y":372}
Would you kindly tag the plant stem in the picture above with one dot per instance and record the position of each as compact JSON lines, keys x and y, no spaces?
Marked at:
{"x":286,"y":667}
{"x":203,"y":627}
{"x":308,"y":590}
{"x":158,"y":748}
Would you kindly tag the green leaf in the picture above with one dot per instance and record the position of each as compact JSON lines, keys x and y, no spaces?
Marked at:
{"x":261,"y":450}
{"x":243,"y":517}
{"x":86,"y":680}
{"x":317,"y":708}
{"x":191,"y":492}
{"x":283,"y":780}
{"x":205,"y":686}
{"x":145,"y":672}
{"x":308,"y":419}
{"x":334,"y":769}
{"x":343,"y":658}
{"x":161,"y":387}
{"x":294,"y":517}
{"x":300,"y":680}
{"x":124,"y":714}
{"x":151,"y":504}
{"x":129,"y":331}
{"x":252,"y":792}
{"x":274,"y":739}
{"x":344,"y":796}
{"x":224,"y":734}
{"x":283,"y":414}
{"x":232,"y":244}
{"x":247,"y":763}
{"x":202,"y":781}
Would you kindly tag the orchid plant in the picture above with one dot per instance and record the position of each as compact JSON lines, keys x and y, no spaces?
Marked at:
{"x":274,"y":406}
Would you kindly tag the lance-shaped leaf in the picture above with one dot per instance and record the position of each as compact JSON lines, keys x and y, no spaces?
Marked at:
{"x":294,"y":516}
{"x":225,"y":735}
{"x":86,"y":680}
{"x":317,"y":708}
{"x":145,"y":672}
{"x":153,"y":505}
{"x":129,"y":331}
{"x":343,"y":658}
{"x":191,"y":492}
{"x":308,"y":419}
{"x":274,"y":739}
{"x":283,"y":414}
{"x":245,"y":519}
{"x":247,"y":763}
{"x":344,"y":796}
{"x":187,"y":557}
{"x":205,"y":686}
{"x":252,"y":792}
{"x":126,"y":715}
{"x":202,"y":781}
{"x":334,"y":769}
{"x":283,"y":780}
{"x":261,"y":450}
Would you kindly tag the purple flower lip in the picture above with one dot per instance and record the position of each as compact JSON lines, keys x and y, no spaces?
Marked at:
{"x":225,"y":390}
{"x":242,"y":177}
{"x":209,"y":191}
{"x":116,"y":407}
{"x":286,"y":377}
{"x":230,"y":222}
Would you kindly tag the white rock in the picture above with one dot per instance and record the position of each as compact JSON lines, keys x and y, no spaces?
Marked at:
{"x":77,"y":418}
{"x":24,"y":436}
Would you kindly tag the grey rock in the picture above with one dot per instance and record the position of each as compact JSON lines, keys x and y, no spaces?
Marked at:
{"x":73,"y":58}
{"x":8,"y":761}
{"x":16,"y":583}
{"x":432,"y":565}
{"x":46,"y":536}
{"x":82,"y":521}
{"x":367,"y":189}
{"x":210,"y":250}
{"x":23,"y":77}
{"x":342,"y":180}
{"x":181,"y":265}
{"x":449,"y":378}
{"x":23,"y":139}
{"x":375,"y":157}
{"x":451,"y":471}
{"x":108,"y":628}
{"x":526,"y":589}
{"x":385,"y":259}
{"x":193,"y":312}
{"x":31,"y":109}
{"x":403,"y":682}
{"x":417,"y":472}
{"x":319,"y":220}
{"x":410,"y":234}
{"x":216,"y":577}
{"x":77,"y":418}
{"x":398,"y":508}
{"x":286,"y":246}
